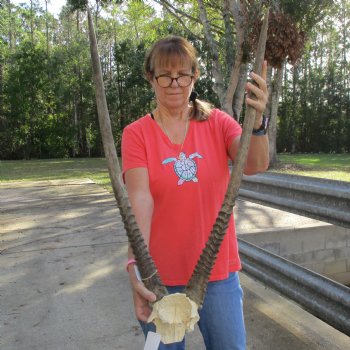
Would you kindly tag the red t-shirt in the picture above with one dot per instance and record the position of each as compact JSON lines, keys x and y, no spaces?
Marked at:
{"x":187,"y":193}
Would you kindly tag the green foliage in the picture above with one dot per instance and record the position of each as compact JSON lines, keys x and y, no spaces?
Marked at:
{"x":47,"y":100}
{"x":82,"y":5}
{"x":306,"y":13}
{"x":314,"y":113}
{"x":27,"y":89}
{"x":78,"y":5}
{"x":32,"y":103}
{"x":49,"y":103}
{"x":129,"y":96}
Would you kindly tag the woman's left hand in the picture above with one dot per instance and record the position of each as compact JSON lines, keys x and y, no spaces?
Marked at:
{"x":261,"y":93}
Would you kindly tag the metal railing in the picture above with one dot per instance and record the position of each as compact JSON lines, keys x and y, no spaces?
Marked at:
{"x":322,"y":297}
{"x":320,"y":199}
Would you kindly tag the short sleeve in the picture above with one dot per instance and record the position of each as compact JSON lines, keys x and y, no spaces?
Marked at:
{"x":133,"y":148}
{"x":230,"y":128}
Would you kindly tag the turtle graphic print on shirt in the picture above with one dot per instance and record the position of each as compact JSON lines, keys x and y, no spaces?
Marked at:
{"x":185,"y":168}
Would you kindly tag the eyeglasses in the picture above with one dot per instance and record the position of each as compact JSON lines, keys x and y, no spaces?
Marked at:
{"x":166,"y":80}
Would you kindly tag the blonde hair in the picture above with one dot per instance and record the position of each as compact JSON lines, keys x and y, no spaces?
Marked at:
{"x":170,"y":51}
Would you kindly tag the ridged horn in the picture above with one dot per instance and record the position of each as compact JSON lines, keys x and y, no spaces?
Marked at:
{"x":198,"y":282}
{"x":145,"y":262}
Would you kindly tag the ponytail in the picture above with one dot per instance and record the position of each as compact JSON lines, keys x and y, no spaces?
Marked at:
{"x":200,"y":109}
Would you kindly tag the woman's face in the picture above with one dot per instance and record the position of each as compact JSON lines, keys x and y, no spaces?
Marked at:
{"x":176,"y":95}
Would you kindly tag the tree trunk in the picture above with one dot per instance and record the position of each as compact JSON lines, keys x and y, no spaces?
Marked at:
{"x":82,"y":122}
{"x":47,"y":30}
{"x":231,"y":77}
{"x":238,"y":98}
{"x":272,"y":131}
{"x":227,"y":102}
{"x":197,"y":284}
{"x":79,"y":102}
{"x":218,"y":87}
{"x":2,"y":117}
{"x":229,"y":35}
{"x":293,"y":114}
{"x":10,"y":33}
{"x":31,"y":22}
{"x":269,"y":89}
{"x":235,"y":75}
{"x":75,"y":120}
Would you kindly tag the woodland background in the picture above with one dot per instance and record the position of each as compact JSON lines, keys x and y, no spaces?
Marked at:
{"x":47,"y":102}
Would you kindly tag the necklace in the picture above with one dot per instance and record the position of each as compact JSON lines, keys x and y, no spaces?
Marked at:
{"x":167,"y":134}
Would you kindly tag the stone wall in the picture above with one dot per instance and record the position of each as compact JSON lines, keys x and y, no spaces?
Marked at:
{"x":323,"y":249}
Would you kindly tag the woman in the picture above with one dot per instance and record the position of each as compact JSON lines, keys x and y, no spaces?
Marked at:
{"x":175,"y":166}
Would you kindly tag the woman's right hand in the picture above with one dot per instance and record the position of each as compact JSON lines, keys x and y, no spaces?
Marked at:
{"x":142,"y":297}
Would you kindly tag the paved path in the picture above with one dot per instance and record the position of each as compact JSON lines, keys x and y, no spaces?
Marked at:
{"x":63,"y":284}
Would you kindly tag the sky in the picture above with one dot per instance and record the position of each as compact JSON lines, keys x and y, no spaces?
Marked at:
{"x":54,"y":6}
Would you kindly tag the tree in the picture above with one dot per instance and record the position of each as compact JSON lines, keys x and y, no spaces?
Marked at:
{"x":27,"y":87}
{"x":290,"y":24}
{"x":314,"y":97}
{"x":315,"y":93}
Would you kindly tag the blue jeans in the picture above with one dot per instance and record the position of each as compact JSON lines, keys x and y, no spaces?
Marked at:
{"x":221,"y":317}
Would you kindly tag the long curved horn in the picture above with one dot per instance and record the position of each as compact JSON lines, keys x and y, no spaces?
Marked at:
{"x":197,"y":285}
{"x":145,"y":262}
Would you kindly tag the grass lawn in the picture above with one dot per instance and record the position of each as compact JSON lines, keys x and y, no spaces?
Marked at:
{"x":49,"y":169}
{"x":327,"y":166}
{"x":331,"y":166}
